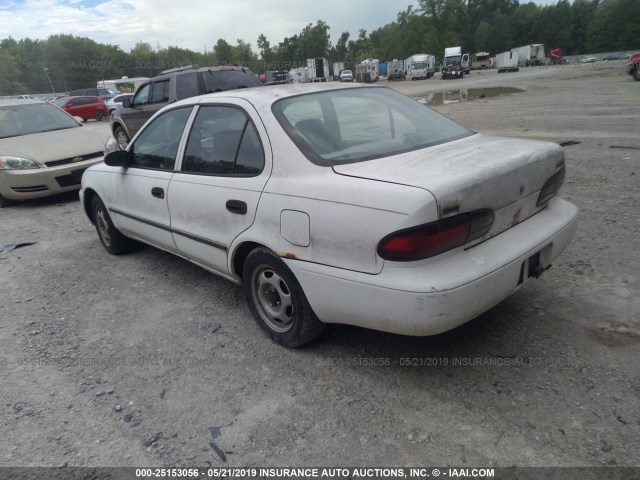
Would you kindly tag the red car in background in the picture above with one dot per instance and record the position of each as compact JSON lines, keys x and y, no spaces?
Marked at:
{"x":633,"y":68}
{"x":85,"y":107}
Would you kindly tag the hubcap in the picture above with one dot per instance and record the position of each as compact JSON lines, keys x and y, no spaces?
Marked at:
{"x":273,"y":299}
{"x":123,"y":141}
{"x":103,"y":226}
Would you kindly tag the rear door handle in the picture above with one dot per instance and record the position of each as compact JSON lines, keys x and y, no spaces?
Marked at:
{"x":157,"y":192}
{"x":237,"y":206}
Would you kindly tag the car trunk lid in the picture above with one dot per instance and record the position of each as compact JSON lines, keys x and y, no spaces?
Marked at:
{"x":504,"y":175}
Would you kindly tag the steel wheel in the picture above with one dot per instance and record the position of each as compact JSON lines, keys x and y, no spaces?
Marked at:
{"x":111,"y":238}
{"x":102,"y":225}
{"x":277,"y":301}
{"x":273,"y":299}
{"x":122,"y":138}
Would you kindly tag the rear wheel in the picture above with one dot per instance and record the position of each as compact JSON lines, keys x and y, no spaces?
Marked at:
{"x":111,"y":238}
{"x":122,"y":138}
{"x":99,"y":115}
{"x":277,"y":301}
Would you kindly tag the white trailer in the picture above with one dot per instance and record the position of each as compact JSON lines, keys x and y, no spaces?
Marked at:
{"x":507,"y":62}
{"x":395,"y":70}
{"x":337,"y":68}
{"x":530,"y":54}
{"x":317,"y":69}
{"x":368,"y":70}
{"x":455,"y":64}
{"x":420,"y":65}
{"x":298,"y":75}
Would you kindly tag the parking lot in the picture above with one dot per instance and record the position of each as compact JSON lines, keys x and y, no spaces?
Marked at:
{"x":147,"y":360}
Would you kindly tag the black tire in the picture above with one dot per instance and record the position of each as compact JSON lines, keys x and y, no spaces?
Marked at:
{"x":636,"y":74}
{"x":276,"y":300}
{"x":121,"y":137}
{"x":5,"y":202}
{"x":111,"y":238}
{"x":99,"y":115}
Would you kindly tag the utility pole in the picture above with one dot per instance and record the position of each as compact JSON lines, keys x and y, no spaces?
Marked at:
{"x":46,"y":72}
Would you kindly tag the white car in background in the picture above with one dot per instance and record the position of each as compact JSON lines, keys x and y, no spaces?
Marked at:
{"x":403,"y":221}
{"x":116,"y":102}
{"x":43,"y":150}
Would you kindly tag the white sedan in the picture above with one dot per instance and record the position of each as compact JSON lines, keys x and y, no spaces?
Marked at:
{"x":334,"y":203}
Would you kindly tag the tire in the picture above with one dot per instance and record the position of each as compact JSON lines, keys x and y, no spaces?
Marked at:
{"x":276,"y":300}
{"x":121,"y":137}
{"x":111,"y":238}
{"x":99,"y":115}
{"x":636,"y":74}
{"x":5,"y":202}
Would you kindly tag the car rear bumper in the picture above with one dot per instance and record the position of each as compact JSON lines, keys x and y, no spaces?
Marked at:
{"x":442,"y":293}
{"x":35,"y":183}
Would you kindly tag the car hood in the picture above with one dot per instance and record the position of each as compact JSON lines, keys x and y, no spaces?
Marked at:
{"x":55,"y":145}
{"x":472,"y":173}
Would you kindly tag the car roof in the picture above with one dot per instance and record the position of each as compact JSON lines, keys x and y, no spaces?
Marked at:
{"x":265,"y":96}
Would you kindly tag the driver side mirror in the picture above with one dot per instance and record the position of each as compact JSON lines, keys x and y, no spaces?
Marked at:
{"x":119,"y":158}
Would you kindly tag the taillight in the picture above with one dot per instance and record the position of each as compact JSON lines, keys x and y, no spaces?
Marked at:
{"x":424,"y":241}
{"x":551,"y":187}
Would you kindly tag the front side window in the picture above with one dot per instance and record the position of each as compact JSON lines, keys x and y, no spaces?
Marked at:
{"x":157,"y":145}
{"x":356,"y":124}
{"x":223,"y":141}
{"x":142,"y":96}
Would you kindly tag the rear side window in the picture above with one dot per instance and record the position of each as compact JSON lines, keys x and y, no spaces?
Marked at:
{"x":223,"y":141}
{"x":187,"y":85}
{"x":217,"y":81}
{"x":160,"y":92}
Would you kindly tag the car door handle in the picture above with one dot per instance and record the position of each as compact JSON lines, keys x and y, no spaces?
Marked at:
{"x":237,"y":206}
{"x":157,"y":192}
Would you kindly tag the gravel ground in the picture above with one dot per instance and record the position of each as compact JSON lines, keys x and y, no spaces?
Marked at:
{"x":148,"y":360}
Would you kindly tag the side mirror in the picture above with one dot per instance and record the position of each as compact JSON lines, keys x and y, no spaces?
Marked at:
{"x":126,"y":103}
{"x":117,"y":159}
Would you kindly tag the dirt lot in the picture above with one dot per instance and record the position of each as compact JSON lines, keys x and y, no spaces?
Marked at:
{"x":147,"y":360}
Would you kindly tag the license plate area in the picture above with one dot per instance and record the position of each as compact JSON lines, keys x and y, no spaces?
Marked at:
{"x":531,"y":267}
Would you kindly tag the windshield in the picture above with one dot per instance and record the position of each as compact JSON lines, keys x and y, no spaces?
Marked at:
{"x":453,"y":59}
{"x":356,"y":124}
{"x":18,"y":120}
{"x":419,"y":65}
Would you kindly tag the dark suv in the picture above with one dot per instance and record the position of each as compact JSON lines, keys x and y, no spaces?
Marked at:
{"x":172,"y":86}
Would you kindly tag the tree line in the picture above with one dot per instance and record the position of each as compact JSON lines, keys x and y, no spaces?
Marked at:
{"x":65,"y":62}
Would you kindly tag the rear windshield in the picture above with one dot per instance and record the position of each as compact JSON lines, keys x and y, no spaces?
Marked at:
{"x":355,"y":124}
{"x":217,"y":81}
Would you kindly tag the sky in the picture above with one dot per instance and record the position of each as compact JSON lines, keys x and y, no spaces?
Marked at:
{"x":192,"y":24}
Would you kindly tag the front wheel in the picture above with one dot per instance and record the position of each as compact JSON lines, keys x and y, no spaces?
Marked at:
{"x":111,"y":238}
{"x":636,"y":74}
{"x":276,"y":300}
{"x":122,"y":138}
